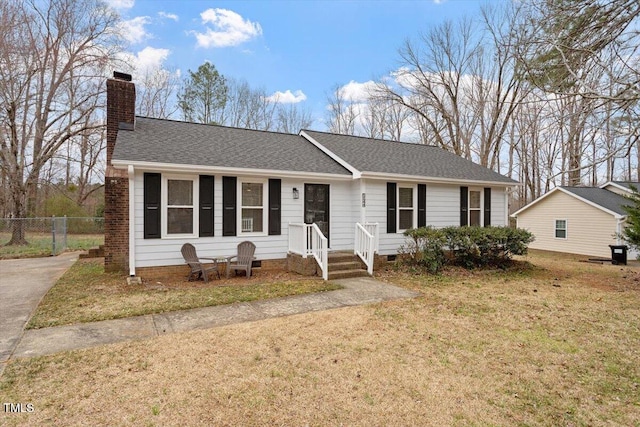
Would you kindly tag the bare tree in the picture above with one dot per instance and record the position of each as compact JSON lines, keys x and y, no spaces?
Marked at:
{"x":291,"y":118}
{"x":155,"y":93}
{"x":341,"y":114}
{"x":49,"y":54}
{"x":248,"y":107}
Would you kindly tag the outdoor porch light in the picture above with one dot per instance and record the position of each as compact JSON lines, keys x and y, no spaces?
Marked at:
{"x":296,"y":193}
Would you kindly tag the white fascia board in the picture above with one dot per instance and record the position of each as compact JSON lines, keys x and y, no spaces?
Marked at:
{"x":613,"y":184}
{"x":355,"y":172}
{"x":575,"y":196}
{"x":435,"y":180}
{"x":176,"y":167}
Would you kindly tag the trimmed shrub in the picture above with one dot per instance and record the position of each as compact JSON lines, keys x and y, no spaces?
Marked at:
{"x":469,"y":247}
{"x":424,"y":248}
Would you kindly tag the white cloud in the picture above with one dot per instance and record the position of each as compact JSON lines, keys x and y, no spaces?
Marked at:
{"x":167,"y":15}
{"x":229,"y":29}
{"x":150,"y":58}
{"x":133,"y":30}
{"x":287,"y":97}
{"x":121,"y":4}
{"x":145,"y":61}
{"x":357,"y":92}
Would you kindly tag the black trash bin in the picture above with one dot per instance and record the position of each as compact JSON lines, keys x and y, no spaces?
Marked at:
{"x":618,"y":254}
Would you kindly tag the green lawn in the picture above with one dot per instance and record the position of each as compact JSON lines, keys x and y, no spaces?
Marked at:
{"x":40,"y":244}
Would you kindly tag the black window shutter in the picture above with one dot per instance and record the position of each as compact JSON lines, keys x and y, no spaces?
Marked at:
{"x":464,"y":206}
{"x":422,"y":205}
{"x":206,"y":205}
{"x":229,"y":205}
{"x":152,"y":208}
{"x":487,"y":207}
{"x":274,"y":206}
{"x":391,"y":207}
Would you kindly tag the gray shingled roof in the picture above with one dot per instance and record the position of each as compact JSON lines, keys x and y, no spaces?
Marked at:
{"x":375,"y":155}
{"x":168,"y":141}
{"x":605,"y":198}
{"x":627,"y":184}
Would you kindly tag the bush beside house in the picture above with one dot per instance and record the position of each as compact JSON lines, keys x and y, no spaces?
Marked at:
{"x":469,"y":247}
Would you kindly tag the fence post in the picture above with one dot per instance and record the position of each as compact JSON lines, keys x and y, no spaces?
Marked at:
{"x":53,"y":235}
{"x":64,"y":233}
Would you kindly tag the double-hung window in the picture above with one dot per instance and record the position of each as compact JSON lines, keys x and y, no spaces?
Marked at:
{"x":561,"y":228}
{"x":475,"y":208}
{"x":180,"y":201}
{"x":252,"y":210}
{"x":406,"y":208}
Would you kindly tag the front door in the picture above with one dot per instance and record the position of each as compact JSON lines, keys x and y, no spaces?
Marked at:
{"x":316,"y":206}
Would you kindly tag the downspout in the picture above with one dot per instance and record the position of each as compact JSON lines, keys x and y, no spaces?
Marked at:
{"x":619,"y":231}
{"x":507,"y":190}
{"x":132,"y":223}
{"x":363,"y":202}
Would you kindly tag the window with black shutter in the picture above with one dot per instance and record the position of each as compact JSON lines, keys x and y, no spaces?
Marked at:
{"x":422,"y":205}
{"x":391,"y":207}
{"x":152,"y":208}
{"x":229,"y":203}
{"x":487,"y":207}
{"x":206,"y":205}
{"x":464,"y":206}
{"x":275,"y":186}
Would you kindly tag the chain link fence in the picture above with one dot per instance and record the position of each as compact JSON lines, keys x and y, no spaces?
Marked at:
{"x":27,"y":237}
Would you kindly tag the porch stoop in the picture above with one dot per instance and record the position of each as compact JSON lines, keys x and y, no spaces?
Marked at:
{"x":94,"y":253}
{"x":343,"y":265}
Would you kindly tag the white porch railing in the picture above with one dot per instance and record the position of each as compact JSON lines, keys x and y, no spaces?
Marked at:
{"x":372,"y":228}
{"x":365,"y":246}
{"x":307,"y":239}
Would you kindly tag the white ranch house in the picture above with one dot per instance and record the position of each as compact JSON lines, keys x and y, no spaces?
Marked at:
{"x":310,"y":193}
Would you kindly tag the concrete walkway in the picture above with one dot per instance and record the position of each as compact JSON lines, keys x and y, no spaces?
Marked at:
{"x":357,"y":291}
{"x":23,"y":283}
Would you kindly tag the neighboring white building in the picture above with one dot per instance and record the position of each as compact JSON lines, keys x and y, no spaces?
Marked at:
{"x":578,"y":220}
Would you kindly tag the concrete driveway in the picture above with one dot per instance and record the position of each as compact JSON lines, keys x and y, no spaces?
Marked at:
{"x":23,"y":283}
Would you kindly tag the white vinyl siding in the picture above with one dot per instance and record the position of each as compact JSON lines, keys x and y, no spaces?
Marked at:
{"x":443,"y":209}
{"x":160,"y":252}
{"x":590,"y":232}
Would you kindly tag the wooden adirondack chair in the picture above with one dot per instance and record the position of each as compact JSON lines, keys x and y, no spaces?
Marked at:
{"x":244,"y":257}
{"x":198,"y":268}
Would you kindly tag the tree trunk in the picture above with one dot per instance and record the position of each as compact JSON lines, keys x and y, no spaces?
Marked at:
{"x":18,"y":224}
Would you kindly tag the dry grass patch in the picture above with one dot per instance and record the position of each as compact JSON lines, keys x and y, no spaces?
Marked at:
{"x":85,"y":293}
{"x":554,"y":344}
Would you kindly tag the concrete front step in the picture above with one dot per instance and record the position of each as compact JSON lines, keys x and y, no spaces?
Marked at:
{"x":346,"y":265}
{"x":336,"y":257}
{"x":346,"y":274}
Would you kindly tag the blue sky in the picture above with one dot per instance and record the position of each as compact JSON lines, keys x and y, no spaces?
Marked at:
{"x":297,"y":49}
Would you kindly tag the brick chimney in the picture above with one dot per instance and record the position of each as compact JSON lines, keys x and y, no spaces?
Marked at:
{"x":121,"y":107}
